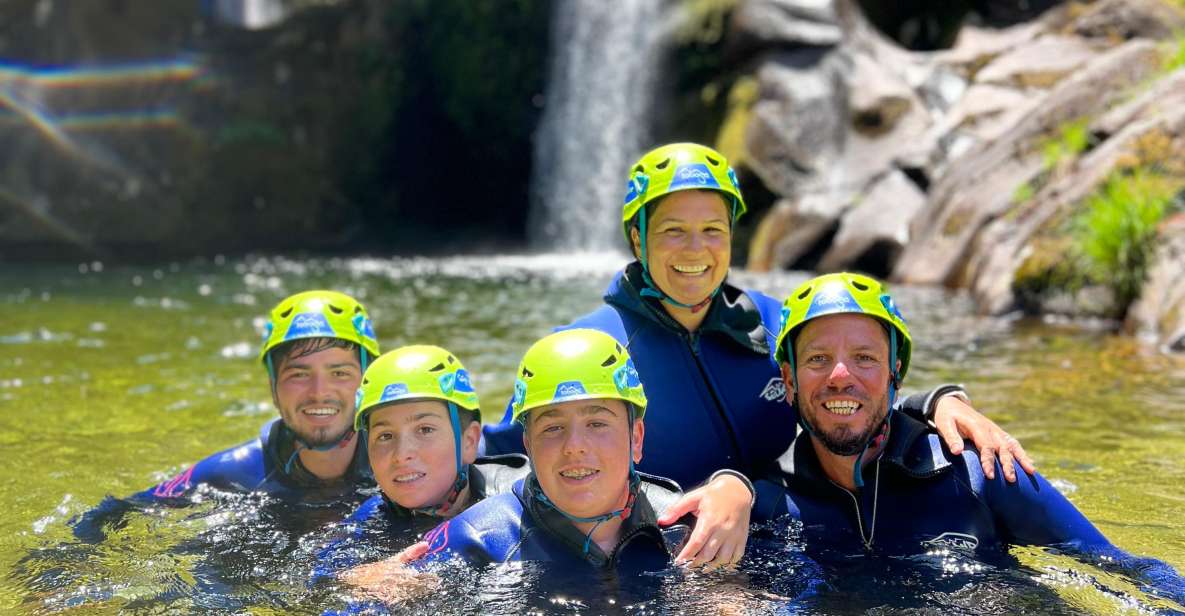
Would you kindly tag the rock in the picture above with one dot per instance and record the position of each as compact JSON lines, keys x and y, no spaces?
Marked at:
{"x":987,"y":111}
{"x":1040,"y":63}
{"x":879,"y":99}
{"x":979,"y":186}
{"x":999,"y":250}
{"x":781,"y":23}
{"x":795,"y":133}
{"x":976,"y":46}
{"x":1165,"y":94}
{"x":880,"y":221}
{"x":787,"y":233}
{"x":1128,"y":19}
{"x":1159,"y":313}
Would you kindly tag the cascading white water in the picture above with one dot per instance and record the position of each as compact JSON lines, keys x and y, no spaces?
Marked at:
{"x":606,"y":57}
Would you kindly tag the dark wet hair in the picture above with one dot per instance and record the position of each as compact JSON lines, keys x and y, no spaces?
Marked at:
{"x":303,"y":347}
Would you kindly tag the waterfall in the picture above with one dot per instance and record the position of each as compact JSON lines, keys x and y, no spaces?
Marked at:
{"x":606,"y":57}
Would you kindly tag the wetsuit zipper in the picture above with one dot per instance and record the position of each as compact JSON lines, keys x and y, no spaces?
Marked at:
{"x":692,"y":339}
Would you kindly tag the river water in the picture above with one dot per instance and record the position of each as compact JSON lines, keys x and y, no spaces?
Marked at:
{"x":112,"y":378}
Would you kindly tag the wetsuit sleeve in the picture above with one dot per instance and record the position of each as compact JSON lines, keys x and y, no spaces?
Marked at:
{"x":454,"y":539}
{"x":920,"y":406}
{"x":1031,"y":511}
{"x":238,"y":468}
{"x":342,"y":553}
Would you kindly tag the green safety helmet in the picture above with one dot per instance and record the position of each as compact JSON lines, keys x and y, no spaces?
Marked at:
{"x":414,"y":372}
{"x":576,"y":364}
{"x":674,"y":167}
{"x":842,"y":293}
{"x":319,"y":314}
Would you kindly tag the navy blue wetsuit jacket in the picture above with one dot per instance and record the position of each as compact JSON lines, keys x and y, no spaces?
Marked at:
{"x":918,"y":496}
{"x":381,"y":519}
{"x":519,"y":527}
{"x":715,"y":396}
{"x":265,"y":464}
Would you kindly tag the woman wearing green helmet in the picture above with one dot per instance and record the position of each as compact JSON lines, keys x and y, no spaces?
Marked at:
{"x":704,"y":346}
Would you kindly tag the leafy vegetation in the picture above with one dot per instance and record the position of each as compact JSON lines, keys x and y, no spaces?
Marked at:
{"x":1073,"y":138}
{"x":1115,"y":234}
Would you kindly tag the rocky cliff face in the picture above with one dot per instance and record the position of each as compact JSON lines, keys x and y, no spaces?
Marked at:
{"x":991,"y":166}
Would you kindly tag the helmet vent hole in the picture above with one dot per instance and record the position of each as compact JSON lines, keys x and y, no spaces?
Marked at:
{"x":335,"y":309}
{"x":366,"y":381}
{"x":663,"y":165}
{"x":618,"y":347}
{"x":715,"y":162}
{"x":859,"y":285}
{"x":437,"y":367}
{"x":452,"y":360}
{"x":286,"y":313}
{"x":609,"y":361}
{"x":805,"y":292}
{"x":357,"y":309}
{"x":527,"y":373}
{"x":639,"y":169}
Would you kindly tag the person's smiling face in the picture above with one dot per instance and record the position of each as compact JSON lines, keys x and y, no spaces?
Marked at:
{"x":315,"y":394}
{"x":413,"y":452}
{"x":688,"y":244}
{"x":842,"y":363}
{"x":581,"y":451}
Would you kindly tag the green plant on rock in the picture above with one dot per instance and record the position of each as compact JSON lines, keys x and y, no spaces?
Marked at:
{"x":1115,"y":235}
{"x":1175,"y":55}
{"x":1072,"y":139}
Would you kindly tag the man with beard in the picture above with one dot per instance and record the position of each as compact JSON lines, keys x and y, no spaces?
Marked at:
{"x":316,"y":347}
{"x":870,"y":481}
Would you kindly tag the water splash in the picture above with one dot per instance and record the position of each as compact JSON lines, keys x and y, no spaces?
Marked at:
{"x":607,"y":57}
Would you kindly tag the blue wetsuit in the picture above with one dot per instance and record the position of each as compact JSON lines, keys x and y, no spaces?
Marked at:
{"x":265,"y":464}
{"x":918,"y":496}
{"x":520,"y":527}
{"x":715,"y":396}
{"x":396,"y":527}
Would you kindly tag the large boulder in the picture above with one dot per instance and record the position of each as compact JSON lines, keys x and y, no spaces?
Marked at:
{"x":979,"y":187}
{"x":875,"y":231}
{"x":1040,"y":63}
{"x":1128,"y":19}
{"x":761,"y":24}
{"x":1001,"y":248}
{"x":1159,"y":313}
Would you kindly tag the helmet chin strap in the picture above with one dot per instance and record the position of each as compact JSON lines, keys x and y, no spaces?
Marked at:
{"x":635,"y":482}
{"x":651,"y":289}
{"x":462,"y":479}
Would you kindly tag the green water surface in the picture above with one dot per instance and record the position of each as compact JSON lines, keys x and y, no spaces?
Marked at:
{"x":112,"y":378}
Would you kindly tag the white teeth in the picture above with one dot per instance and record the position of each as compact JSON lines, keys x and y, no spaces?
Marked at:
{"x":321,"y":412}
{"x":408,"y":477}
{"x":579,"y":473}
{"x":842,"y":407}
{"x":690,"y":269}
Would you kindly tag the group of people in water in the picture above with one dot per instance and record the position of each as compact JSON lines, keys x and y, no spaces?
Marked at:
{"x":678,"y":381}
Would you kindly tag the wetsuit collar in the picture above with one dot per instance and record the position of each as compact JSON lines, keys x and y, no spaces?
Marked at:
{"x":279,"y":447}
{"x":909,"y":449}
{"x":642,"y":522}
{"x":488,"y":475}
{"x":731,"y":313}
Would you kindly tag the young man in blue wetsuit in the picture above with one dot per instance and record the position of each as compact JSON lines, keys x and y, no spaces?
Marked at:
{"x":420,"y":419}
{"x":704,"y":347}
{"x":865,"y":479}
{"x":316,"y":346}
{"x":582,"y":405}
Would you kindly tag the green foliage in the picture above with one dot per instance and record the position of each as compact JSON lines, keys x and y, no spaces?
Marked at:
{"x":1175,"y":56}
{"x":1115,"y":235}
{"x":1023,"y":193}
{"x":1072,"y":139}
